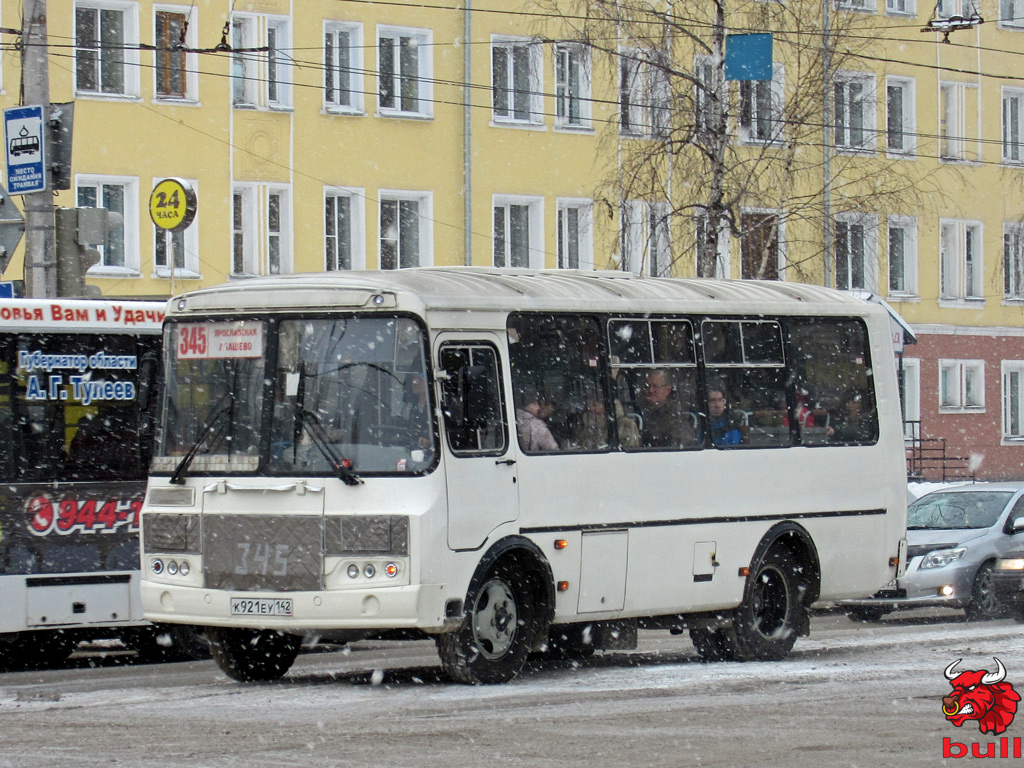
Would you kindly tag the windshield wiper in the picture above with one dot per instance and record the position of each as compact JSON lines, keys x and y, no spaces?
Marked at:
{"x":178,"y":478}
{"x":341,"y":466}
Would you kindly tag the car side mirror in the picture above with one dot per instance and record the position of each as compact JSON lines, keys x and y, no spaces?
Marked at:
{"x":1017,"y":525}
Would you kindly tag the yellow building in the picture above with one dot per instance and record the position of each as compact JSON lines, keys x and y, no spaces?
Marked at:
{"x":337,"y":134}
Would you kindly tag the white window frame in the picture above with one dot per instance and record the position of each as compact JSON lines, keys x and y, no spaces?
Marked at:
{"x":780,"y":239}
{"x":282,"y":236}
{"x":645,"y":239}
{"x":908,"y":123}
{"x":643,"y":89}
{"x":191,"y":73}
{"x":908,"y":226}
{"x":425,"y":216}
{"x":953,"y":139}
{"x":354,"y":66}
{"x":964,"y":375}
{"x":843,"y":110}
{"x":723,"y":265}
{"x":705,"y":74}
{"x":868,"y":224}
{"x":190,"y":240}
{"x":752,"y":92}
{"x":1013,"y":124}
{"x":584,"y":208}
{"x":423,"y":40}
{"x":130,"y":65}
{"x":960,"y":279}
{"x":563,"y":55}
{"x":259,"y":70}
{"x":357,"y":225}
{"x":1012,"y":371}
{"x":1011,"y":14}
{"x":911,"y":394}
{"x":534,"y":57}
{"x":944,"y":9}
{"x":861,"y":6}
{"x":246,"y":228}
{"x":535,"y":224}
{"x":1013,"y":262}
{"x":901,"y":7}
{"x":131,"y":266}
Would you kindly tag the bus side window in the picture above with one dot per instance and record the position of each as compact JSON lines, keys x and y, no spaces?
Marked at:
{"x":471,"y":400}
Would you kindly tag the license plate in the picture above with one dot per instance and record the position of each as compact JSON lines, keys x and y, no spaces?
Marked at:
{"x":260,"y":606}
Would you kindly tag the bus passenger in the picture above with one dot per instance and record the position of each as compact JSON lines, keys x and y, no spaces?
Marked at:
{"x":854,"y":424}
{"x":726,"y":427}
{"x":664,"y":423}
{"x":531,"y":415}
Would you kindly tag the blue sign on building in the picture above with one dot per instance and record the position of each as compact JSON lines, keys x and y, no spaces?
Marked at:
{"x":26,"y":150}
{"x":748,"y":56}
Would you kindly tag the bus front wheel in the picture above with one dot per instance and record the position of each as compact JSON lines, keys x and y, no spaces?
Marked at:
{"x":253,"y":655}
{"x":766,"y":624}
{"x":494,"y":640}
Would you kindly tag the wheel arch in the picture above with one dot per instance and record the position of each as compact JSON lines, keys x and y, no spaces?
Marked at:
{"x":794,"y":539}
{"x":531,"y":561}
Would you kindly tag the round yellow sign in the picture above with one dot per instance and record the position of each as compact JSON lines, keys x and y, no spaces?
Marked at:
{"x":173,"y":204}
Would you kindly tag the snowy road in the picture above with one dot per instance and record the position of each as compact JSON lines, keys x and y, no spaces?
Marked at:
{"x":850,"y":694}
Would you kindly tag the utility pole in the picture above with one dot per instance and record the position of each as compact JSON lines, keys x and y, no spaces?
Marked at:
{"x":40,"y":252}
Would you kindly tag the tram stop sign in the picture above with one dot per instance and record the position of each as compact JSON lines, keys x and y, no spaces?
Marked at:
{"x":12,"y":227}
{"x":172,"y":206}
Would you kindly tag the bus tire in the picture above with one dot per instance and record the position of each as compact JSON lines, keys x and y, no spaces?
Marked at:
{"x":497,"y":633}
{"x":253,"y":655}
{"x":711,"y":644}
{"x":766,"y":624}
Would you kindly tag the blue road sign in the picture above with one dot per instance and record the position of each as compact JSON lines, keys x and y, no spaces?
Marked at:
{"x":6,"y":290}
{"x":748,"y":56}
{"x":23,"y":138}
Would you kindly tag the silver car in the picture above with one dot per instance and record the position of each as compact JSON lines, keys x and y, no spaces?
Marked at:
{"x":954,"y":536}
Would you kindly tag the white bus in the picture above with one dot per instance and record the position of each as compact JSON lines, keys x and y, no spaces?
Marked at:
{"x":77,"y":380}
{"x":513,"y":461}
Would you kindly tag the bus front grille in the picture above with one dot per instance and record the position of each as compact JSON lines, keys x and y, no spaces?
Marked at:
{"x":263,"y":553}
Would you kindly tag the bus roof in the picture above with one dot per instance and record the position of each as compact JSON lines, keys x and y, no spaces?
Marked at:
{"x":486,"y":288}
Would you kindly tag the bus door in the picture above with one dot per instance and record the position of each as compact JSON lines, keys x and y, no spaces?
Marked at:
{"x":480,"y":468}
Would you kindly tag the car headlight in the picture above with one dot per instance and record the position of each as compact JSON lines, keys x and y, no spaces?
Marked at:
{"x":1010,"y":564}
{"x":940,"y":558}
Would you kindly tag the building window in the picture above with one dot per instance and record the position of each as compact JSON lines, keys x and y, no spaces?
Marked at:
{"x":404,"y":230}
{"x":960,"y":260}
{"x":899,"y":116}
{"x":260,"y":78}
{"x":343,"y":230}
{"x":243,"y":226}
{"x":854,"y":240}
{"x":572,"y":86}
{"x":854,"y":112}
{"x":172,"y":62}
{"x":1011,"y":13}
{"x":575,"y":239}
{"x":643,"y":93}
{"x":761,"y":108}
{"x":961,"y":385}
{"x":403,"y":71}
{"x":911,"y":398}
{"x":958,"y":120}
{"x":277,"y":242}
{"x":901,"y":7}
{"x":646,"y":248}
{"x":119,"y":253}
{"x":1013,"y":399}
{"x":944,"y":9}
{"x":760,"y":234}
{"x":706,"y":96}
{"x":518,"y":231}
{"x":343,"y":67}
{"x":722,"y":266}
{"x":1013,"y":262}
{"x":1013,"y":101}
{"x":515,"y":80}
{"x":902,"y":256}
{"x":857,"y":5}
{"x":106,"y":48}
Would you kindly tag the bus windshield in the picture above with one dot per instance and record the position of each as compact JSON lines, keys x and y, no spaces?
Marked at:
{"x":348,"y":395}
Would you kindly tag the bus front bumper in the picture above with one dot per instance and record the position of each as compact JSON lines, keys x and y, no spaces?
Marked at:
{"x":420,"y":606}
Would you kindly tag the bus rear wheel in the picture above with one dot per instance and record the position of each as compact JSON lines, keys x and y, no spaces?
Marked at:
{"x":494,"y":640}
{"x":253,"y":655}
{"x":766,"y":624}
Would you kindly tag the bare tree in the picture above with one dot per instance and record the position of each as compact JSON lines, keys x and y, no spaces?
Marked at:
{"x":751,"y":158}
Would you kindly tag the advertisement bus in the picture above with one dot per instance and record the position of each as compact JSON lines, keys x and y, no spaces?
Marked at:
{"x":515,"y":461}
{"x":77,"y":383}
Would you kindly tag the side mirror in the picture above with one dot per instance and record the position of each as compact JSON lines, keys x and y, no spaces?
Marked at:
{"x":1017,"y":525}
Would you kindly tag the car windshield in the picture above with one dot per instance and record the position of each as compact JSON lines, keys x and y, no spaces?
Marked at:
{"x":349,"y":396}
{"x":973,"y":509}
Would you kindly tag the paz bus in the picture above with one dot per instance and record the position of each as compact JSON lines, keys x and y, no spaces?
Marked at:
{"x":515,"y":461}
{"x":77,"y":383}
